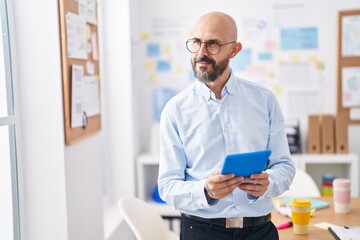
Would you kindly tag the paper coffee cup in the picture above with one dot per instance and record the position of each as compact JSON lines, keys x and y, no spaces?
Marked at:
{"x":300,"y":215}
{"x":341,"y":195}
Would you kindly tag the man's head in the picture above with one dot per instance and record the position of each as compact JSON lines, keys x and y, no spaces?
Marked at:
{"x":213,"y":43}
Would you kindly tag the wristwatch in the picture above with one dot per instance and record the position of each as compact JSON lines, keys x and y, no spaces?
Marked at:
{"x":211,"y":201}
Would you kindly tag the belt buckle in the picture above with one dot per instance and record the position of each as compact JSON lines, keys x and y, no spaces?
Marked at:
{"x":234,"y":222}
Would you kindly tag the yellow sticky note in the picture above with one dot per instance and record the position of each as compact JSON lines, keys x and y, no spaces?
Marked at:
{"x":153,"y":78}
{"x":295,"y":57}
{"x":167,"y":49}
{"x":277,"y":89}
{"x":312,"y":58}
{"x":149,"y":65}
{"x":271,"y":75}
{"x":179,"y":69}
{"x":145,"y":36}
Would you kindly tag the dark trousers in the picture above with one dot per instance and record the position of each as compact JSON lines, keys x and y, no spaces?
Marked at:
{"x":195,"y":230}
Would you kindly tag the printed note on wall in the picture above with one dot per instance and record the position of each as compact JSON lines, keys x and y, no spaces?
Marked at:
{"x":77,"y":96}
{"x":87,"y":9}
{"x":350,"y":86}
{"x":76,"y":36}
{"x":351,"y":36}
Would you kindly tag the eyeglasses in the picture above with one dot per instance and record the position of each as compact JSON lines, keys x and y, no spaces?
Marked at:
{"x":193,"y":45}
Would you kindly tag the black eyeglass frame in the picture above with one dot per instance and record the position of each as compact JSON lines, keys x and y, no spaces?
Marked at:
{"x":206,"y":45}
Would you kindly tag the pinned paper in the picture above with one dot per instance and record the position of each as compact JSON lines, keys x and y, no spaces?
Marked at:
{"x":351,"y":36}
{"x":94,"y":46}
{"x":91,"y":100}
{"x":76,"y":36}
{"x":324,"y":225}
{"x":90,"y":68}
{"x":85,"y":96}
{"x":77,"y":96}
{"x":351,"y":86}
{"x":87,"y":9}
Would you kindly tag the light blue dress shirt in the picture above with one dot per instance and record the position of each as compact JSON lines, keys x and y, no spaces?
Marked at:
{"x":197,"y":131}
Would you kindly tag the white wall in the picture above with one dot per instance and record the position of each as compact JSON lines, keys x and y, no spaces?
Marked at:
{"x":43,"y":205}
{"x":118,"y":124}
{"x":83,"y":171}
{"x":61,"y":187}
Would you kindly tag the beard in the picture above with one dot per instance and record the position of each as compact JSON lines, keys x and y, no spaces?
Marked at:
{"x":205,"y":76}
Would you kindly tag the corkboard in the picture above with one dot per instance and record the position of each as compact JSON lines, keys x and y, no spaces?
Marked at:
{"x":92,"y":124}
{"x":345,"y":60}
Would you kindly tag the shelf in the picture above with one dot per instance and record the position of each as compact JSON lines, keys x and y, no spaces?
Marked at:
{"x":342,"y":165}
{"x":326,"y":158}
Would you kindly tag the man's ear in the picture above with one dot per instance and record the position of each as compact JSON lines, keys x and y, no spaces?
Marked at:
{"x":237,"y":48}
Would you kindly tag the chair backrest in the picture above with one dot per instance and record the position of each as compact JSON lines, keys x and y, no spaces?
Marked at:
{"x":303,"y":185}
{"x":143,"y":220}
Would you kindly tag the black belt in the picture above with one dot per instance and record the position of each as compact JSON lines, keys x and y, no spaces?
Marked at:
{"x":232,"y":222}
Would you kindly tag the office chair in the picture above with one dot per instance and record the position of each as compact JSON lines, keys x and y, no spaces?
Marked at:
{"x":144,"y":221}
{"x":303,"y":185}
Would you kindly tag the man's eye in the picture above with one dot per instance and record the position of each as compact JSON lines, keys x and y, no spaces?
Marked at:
{"x":212,"y":43}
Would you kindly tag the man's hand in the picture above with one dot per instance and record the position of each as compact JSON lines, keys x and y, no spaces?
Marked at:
{"x":256,"y":185}
{"x":218,"y":186}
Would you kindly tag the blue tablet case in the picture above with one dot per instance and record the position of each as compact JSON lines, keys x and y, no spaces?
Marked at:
{"x":245,"y":164}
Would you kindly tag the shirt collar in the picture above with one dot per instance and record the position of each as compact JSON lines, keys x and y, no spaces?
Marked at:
{"x":230,"y":85}
{"x":204,"y":91}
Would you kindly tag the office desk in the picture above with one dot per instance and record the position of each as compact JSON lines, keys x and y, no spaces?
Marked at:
{"x":322,"y":215}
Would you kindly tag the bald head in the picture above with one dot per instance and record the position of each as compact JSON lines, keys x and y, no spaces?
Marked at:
{"x":216,"y":25}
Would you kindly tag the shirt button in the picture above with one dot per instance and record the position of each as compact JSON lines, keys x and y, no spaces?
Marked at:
{"x":222,"y":105}
{"x":226,"y":129}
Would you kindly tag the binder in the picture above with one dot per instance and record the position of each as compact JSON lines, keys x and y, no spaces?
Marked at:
{"x":341,"y":133}
{"x":313,"y":134}
{"x":327,"y":134}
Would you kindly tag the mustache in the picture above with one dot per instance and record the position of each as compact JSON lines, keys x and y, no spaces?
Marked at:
{"x":204,"y":59}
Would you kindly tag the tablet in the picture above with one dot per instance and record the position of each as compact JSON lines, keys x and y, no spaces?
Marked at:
{"x":245,"y":164}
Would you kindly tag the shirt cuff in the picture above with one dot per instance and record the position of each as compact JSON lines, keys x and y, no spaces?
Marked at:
{"x":199,"y":195}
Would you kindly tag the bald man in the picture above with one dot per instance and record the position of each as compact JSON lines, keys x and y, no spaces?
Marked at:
{"x":221,"y":114}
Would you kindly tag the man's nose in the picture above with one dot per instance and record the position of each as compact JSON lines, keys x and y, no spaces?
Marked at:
{"x":203,"y":50}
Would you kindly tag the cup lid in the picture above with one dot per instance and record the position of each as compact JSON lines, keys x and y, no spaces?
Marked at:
{"x":342,"y":182}
{"x":300,"y":202}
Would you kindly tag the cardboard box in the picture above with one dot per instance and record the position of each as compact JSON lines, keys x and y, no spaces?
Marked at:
{"x":314,"y":143}
{"x":341,"y":133}
{"x":327,"y":134}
